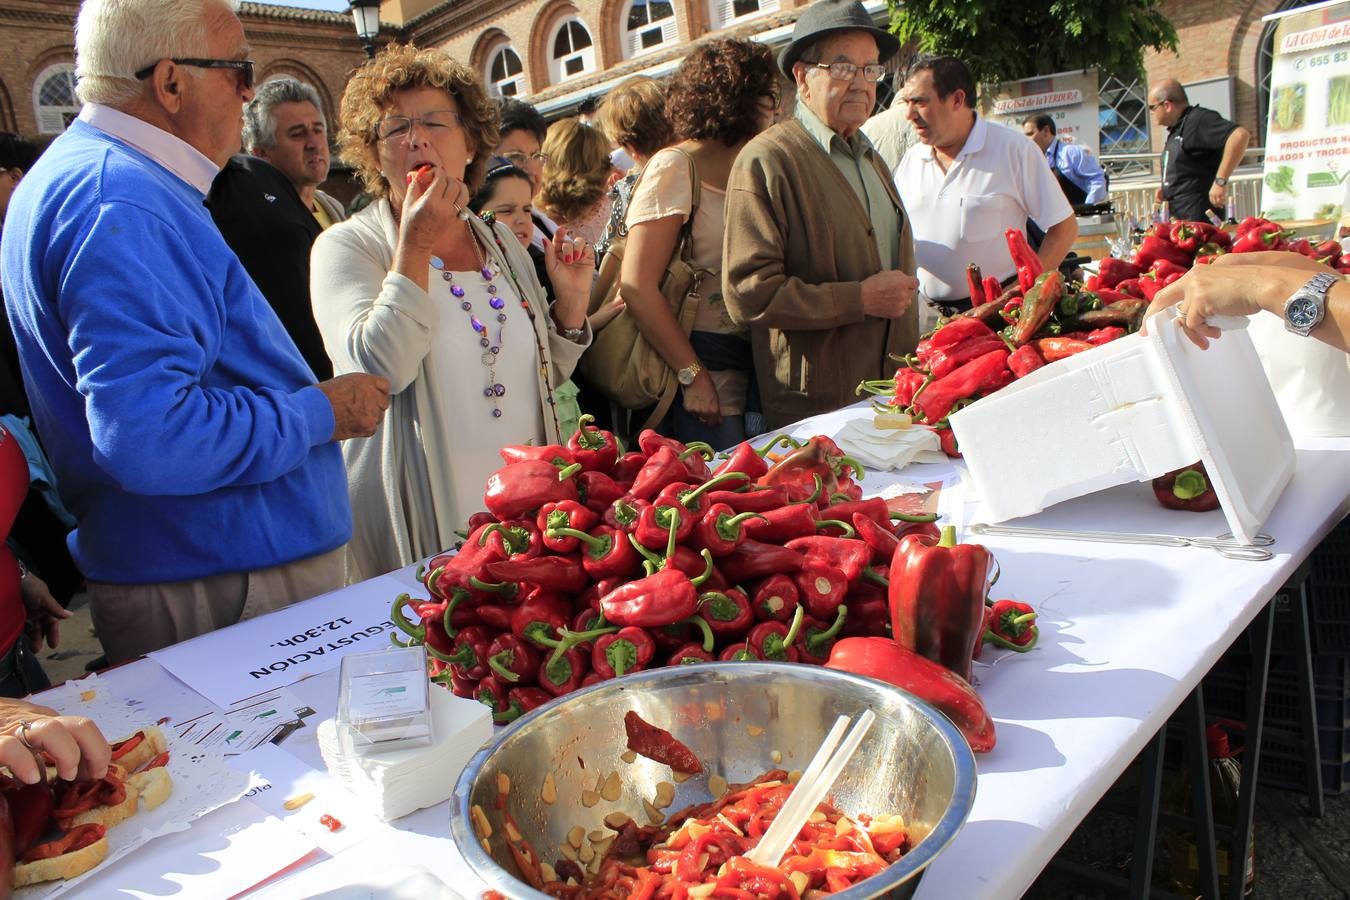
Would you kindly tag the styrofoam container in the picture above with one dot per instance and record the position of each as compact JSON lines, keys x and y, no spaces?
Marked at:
{"x":1132,"y":410}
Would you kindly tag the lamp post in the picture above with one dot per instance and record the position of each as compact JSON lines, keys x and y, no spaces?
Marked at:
{"x":366,"y":17}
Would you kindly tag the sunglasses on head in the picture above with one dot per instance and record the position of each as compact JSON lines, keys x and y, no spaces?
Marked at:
{"x":243,"y":67}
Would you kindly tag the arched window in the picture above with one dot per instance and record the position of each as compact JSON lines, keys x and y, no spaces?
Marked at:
{"x":729,"y":12}
{"x":505,"y":74}
{"x":649,"y":24}
{"x":54,"y":98}
{"x":573,"y":53}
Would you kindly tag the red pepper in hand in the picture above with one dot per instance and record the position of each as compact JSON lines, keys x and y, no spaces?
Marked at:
{"x":1012,"y":625}
{"x":822,"y":590}
{"x":564,"y":514}
{"x":662,"y":468}
{"x":555,"y":573}
{"x":523,"y":487}
{"x":563,"y":674}
{"x":728,"y":614}
{"x":776,"y":598}
{"x":979,"y":376}
{"x":556,"y":455}
{"x":885,"y":660}
{"x":845,"y":555}
{"x":596,"y":449}
{"x":513,"y":660}
{"x":752,"y":560}
{"x":937,"y":596}
{"x":1187,"y":489}
{"x":774,"y":640}
{"x":627,"y":650}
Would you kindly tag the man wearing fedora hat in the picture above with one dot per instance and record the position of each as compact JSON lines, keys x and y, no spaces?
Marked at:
{"x":818,"y":256}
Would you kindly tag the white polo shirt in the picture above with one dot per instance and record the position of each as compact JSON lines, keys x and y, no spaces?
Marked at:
{"x":997,"y":181}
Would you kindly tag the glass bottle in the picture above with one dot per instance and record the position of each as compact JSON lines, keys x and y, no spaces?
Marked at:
{"x":1225,"y":775}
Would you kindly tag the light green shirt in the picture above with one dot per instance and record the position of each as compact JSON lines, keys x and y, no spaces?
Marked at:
{"x":851,"y":158}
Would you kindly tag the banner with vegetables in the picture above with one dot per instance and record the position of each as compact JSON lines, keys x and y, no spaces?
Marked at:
{"x":1308,"y":129}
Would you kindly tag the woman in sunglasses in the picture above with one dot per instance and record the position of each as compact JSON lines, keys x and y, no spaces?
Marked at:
{"x":447,"y":307}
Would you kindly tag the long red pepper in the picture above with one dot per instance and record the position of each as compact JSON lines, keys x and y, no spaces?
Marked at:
{"x":753,"y":559}
{"x":1038,"y":305}
{"x":975,"y":377}
{"x":760,"y":499}
{"x":662,"y":468}
{"x":607,"y":552}
{"x":558,"y":573}
{"x":555,"y":454}
{"x":598,"y":490}
{"x":937,"y":596}
{"x":523,"y":487}
{"x":743,"y":459}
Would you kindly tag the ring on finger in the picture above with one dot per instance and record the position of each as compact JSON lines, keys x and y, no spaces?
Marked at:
{"x":22,"y":733}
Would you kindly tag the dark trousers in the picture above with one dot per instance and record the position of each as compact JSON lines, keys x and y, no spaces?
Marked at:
{"x":20,"y":672}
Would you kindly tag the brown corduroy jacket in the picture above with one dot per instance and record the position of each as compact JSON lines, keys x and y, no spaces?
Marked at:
{"x":798,"y":245}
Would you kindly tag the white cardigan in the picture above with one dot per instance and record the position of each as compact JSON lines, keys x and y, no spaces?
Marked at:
{"x":377,"y":321}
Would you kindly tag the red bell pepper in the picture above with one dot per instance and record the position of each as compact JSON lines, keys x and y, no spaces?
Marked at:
{"x":774,"y":640}
{"x":568,"y":514}
{"x":937,"y":596}
{"x":597,"y":490}
{"x":976,"y":377}
{"x":775,"y":599}
{"x":1108,"y":296}
{"x":1167,"y":271}
{"x":944,"y":362}
{"x":627,"y":466}
{"x":757,"y":499}
{"x":492,"y":693}
{"x":623,"y":513}
{"x":822,"y":589}
{"x":1038,"y":305}
{"x":727,"y":613}
{"x":660,"y":599}
{"x":777,"y":526}
{"x":886,"y":660}
{"x":847,"y":556}
{"x":818,"y":639}
{"x":655,"y":523}
{"x":1156,"y":247}
{"x":432,"y":627}
{"x":1187,"y":489}
{"x":1249,"y":223}
{"x":470,"y":656}
{"x":662,"y":468}
{"x":607,"y":553}
{"x":1265,"y":236}
{"x":516,"y":539}
{"x":555,"y":454}
{"x":867,"y":616}
{"x":1187,"y":236}
{"x":753,"y":559}
{"x":555,"y":573}
{"x":542,"y":614}
{"x":1111,"y":272}
{"x":650,"y":441}
{"x":562,"y":674}
{"x":596,"y":449}
{"x":513,"y":660}
{"x":522,"y":487}
{"x":721,"y":530}
{"x":627,"y":650}
{"x":689,"y":654}
{"x":907,"y":383}
{"x":1025,"y":360}
{"x":742,"y":652}
{"x":947,"y":440}
{"x":1012,"y":625}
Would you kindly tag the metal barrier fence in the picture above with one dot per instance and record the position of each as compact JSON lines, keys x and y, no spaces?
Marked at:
{"x":1136,"y":177}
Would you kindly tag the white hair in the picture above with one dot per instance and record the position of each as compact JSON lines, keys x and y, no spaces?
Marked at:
{"x":114,"y":39}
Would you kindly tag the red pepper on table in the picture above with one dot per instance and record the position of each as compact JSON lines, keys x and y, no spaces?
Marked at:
{"x":516,"y":539}
{"x":1249,"y":223}
{"x":1156,"y":247}
{"x":607,"y":553}
{"x":818,"y":639}
{"x":992,"y":289}
{"x":1023,"y":257}
{"x":974,"y":283}
{"x":655,"y":523}
{"x":1186,"y":489}
{"x":947,"y":440}
{"x":744,"y":459}
{"x":555,"y":454}
{"x":1038,"y":305}
{"x":542,"y":614}
{"x":885,"y":660}
{"x":597,"y":490}
{"x":1131,"y":288}
{"x":741,"y":652}
{"x":527,"y":698}
{"x":564,"y":514}
{"x":1112,"y":271}
{"x":753,"y":559}
{"x":1328,"y":253}
{"x":563,"y":674}
{"x":468,"y":562}
{"x":944,"y":362}
{"x":819,"y":459}
{"x":822,"y":589}
{"x":662,"y":468}
{"x":627,"y":650}
{"x":460,"y":685}
{"x":774,"y":640}
{"x":695,"y":459}
{"x":1266,"y":236}
{"x":596,"y":449}
{"x":867,"y":616}
{"x":937,"y":596}
{"x":1167,"y":271}
{"x":556,"y":573}
{"x":623,"y":513}
{"x":470,"y":656}
{"x":757,"y":499}
{"x":1098,"y":336}
{"x":523,"y":487}
{"x":659,"y":599}
{"x":513,"y":660}
{"x":1053,"y":349}
{"x":689,"y":654}
{"x":955,"y":331}
{"x":1012,"y":625}
{"x":430,"y":628}
{"x":650,"y":442}
{"x":975,"y":377}
{"x":721,"y":530}
{"x":873,"y":508}
{"x":1025,"y":360}
{"x":1302,"y":246}
{"x":847,"y":556}
{"x":1186,"y":236}
{"x":590,"y":618}
{"x":492,"y":693}
{"x":694,"y":498}
{"x":775,"y":599}
{"x":1108,"y":296}
{"x":880,"y":539}
{"x":906,"y":383}
{"x":728,"y":614}
{"x":496,"y":616}
{"x":627,"y":466}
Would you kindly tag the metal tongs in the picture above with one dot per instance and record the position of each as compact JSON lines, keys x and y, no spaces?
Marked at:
{"x":1225,"y":544}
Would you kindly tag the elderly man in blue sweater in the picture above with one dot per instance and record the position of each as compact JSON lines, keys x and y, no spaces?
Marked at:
{"x":188,"y":434}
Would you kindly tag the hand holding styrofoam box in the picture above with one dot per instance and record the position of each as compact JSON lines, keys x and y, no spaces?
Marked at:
{"x":1131,"y":410}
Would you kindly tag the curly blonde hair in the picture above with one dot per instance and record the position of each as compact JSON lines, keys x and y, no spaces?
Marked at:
{"x":402,"y":67}
{"x":577,"y":169}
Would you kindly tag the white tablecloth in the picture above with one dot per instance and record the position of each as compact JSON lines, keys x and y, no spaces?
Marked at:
{"x":1127,"y":632}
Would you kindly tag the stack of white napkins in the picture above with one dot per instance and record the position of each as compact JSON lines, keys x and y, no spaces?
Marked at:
{"x":888,"y":448}
{"x":394,"y":783}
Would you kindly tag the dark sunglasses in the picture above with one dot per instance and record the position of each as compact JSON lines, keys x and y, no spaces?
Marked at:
{"x":243,"y":66}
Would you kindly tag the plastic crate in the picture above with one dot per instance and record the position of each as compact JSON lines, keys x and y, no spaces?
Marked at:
{"x":1282,"y":764}
{"x":1331,"y":559}
{"x":1226,"y":696}
{"x":1329,"y":609}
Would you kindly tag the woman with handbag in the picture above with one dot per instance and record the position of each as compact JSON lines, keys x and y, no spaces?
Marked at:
{"x":724,"y":93}
{"x":447,"y":307}
{"x":574,"y":190}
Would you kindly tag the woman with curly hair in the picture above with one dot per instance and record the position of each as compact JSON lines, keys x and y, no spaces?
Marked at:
{"x":574,"y":190}
{"x":633,"y":117}
{"x":724,"y":93}
{"x":445,"y":306}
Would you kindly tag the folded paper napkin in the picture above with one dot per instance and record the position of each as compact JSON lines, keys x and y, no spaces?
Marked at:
{"x":397,"y":782}
{"x":888,"y":448}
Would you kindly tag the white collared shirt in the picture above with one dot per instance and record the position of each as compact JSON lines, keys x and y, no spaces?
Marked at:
{"x":173,"y":153}
{"x":997,"y":181}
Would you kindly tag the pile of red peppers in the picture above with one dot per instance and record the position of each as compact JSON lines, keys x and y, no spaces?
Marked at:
{"x":589,"y":563}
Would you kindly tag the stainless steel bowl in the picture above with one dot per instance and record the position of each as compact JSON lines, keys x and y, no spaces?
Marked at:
{"x":733,"y":716}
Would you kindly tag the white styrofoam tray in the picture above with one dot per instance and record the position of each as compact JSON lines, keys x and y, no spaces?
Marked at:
{"x":1132,"y":410}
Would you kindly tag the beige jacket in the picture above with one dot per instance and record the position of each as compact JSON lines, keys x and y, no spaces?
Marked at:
{"x":798,"y":245}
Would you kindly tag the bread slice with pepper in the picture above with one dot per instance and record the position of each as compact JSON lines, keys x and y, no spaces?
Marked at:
{"x":48,"y":862}
{"x":140,"y":748}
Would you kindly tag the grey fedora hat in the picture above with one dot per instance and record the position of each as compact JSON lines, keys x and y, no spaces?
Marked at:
{"x":825,"y":17}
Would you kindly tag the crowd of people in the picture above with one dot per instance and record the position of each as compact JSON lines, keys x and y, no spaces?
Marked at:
{"x":249,"y":396}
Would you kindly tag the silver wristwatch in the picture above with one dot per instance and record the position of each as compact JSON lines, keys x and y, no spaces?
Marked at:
{"x":1304,"y":309}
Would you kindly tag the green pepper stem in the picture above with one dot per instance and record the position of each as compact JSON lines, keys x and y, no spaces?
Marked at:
{"x":596,"y":544}
{"x":646,"y":554}
{"x":567,"y":639}
{"x":458,"y":596}
{"x":851,"y":463}
{"x":464,"y":655}
{"x":733,"y":521}
{"x":999,"y":641}
{"x":421,"y":571}
{"x":416,"y":632}
{"x":699,"y":447}
{"x":927,"y":380}
{"x":948,"y":538}
{"x":815,"y":494}
{"x":589,"y":438}
{"x":568,"y":471}
{"x":704,"y":627}
{"x":919,"y":519}
{"x":784,"y":439}
{"x":876,"y":577}
{"x":1018,"y":621}
{"x":670,"y":536}
{"x":707,"y":568}
{"x":432,"y":582}
{"x":712,"y":483}
{"x":820,"y":637}
{"x":1189,"y":485}
{"x":794,"y":628}
{"x":495,"y":664}
{"x":393,"y":639}
{"x":849,"y":530}
{"x":500,"y":587}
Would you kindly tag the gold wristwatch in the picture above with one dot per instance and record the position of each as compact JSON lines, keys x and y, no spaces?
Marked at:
{"x":687,"y":375}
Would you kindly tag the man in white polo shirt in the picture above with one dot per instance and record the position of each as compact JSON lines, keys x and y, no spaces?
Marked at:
{"x":967,"y":182}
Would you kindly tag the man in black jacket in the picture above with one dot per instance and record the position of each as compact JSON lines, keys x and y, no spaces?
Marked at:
{"x":268,"y":207}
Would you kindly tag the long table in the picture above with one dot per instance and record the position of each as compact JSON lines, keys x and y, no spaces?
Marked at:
{"x":1127,"y":632}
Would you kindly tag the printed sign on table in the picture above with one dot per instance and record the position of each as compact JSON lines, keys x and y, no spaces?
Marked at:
{"x":1070,"y":98}
{"x":1308,"y":126}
